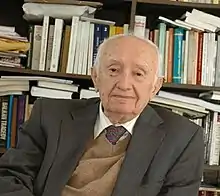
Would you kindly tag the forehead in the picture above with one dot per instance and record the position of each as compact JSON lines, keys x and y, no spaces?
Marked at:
{"x":130,"y":49}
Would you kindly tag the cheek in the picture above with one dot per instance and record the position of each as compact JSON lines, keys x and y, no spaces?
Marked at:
{"x":105,"y":90}
{"x":144,"y":93}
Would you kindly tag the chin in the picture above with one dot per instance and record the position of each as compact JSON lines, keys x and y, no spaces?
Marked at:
{"x":118,"y":108}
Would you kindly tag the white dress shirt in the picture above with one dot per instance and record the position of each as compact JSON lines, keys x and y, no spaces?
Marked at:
{"x":103,"y":122}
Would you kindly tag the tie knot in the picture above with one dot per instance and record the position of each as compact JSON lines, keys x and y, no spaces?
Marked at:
{"x":114,"y":133}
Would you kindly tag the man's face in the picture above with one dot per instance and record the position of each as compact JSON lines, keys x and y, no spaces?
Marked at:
{"x":126,"y":76}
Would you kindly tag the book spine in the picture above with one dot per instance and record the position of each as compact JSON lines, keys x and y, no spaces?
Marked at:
{"x":177,"y":57}
{"x":97,"y":38}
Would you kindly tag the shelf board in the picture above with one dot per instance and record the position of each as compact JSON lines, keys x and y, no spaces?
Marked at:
{"x":212,"y":167}
{"x":87,"y":79}
{"x":181,"y":4}
{"x":42,"y":73}
{"x":190,"y":87}
{"x":215,"y":190}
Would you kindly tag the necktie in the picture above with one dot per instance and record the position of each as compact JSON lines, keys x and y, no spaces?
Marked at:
{"x":113,"y":133}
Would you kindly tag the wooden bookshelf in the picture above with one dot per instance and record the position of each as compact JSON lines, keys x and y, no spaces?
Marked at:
{"x":180,"y":4}
{"x":189,"y":87}
{"x":215,"y":190}
{"x":13,"y":70}
{"x":87,"y":79}
{"x":212,"y":167}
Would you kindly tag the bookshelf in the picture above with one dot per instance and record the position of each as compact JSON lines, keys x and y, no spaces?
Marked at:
{"x":135,"y":7}
{"x":22,"y":71}
{"x":87,"y":79}
{"x":180,"y":4}
{"x":212,"y":167}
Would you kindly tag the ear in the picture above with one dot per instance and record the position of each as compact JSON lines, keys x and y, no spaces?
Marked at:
{"x":157,"y":86}
{"x":94,"y":76}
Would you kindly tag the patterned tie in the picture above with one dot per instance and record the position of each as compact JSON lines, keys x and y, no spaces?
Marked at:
{"x":113,"y":133}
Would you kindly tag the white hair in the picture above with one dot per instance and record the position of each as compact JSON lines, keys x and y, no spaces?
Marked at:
{"x":101,"y":50}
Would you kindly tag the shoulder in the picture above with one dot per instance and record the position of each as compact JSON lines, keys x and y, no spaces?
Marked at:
{"x":175,"y":125}
{"x":180,"y":133}
{"x":173,"y":118}
{"x":60,"y":106}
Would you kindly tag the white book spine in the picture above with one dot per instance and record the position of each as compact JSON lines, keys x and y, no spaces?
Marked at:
{"x":78,"y":42}
{"x":166,"y":56}
{"x":50,"y":93}
{"x":190,"y":59}
{"x":217,"y":67}
{"x":212,"y":59}
{"x":36,"y":47}
{"x":140,"y":26}
{"x":195,"y":55}
{"x":81,"y":50}
{"x":90,"y":55}
{"x":43,"y":50}
{"x":205,"y":17}
{"x":72,"y":45}
{"x":58,"y":31}
{"x":215,"y":140}
{"x":126,"y":27}
{"x":86,"y":49}
{"x":209,"y":64}
{"x":186,"y":58}
{"x":204,"y":58}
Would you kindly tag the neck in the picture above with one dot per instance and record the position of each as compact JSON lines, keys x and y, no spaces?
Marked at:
{"x":119,"y":118}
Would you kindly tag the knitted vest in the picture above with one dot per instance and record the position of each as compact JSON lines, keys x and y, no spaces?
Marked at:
{"x":98,"y":169}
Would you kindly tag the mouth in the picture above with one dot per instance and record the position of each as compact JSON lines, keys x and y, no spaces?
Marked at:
{"x":122,"y":97}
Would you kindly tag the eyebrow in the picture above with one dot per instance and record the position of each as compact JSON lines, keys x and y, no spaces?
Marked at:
{"x":114,"y":61}
{"x":143,"y":67}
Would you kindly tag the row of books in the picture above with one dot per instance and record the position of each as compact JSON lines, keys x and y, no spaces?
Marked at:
{"x":14,"y":109}
{"x":188,"y":57}
{"x":209,"y":192}
{"x":189,"y":48}
{"x":189,"y":52}
{"x":68,"y":48}
{"x":17,"y":95}
{"x":13,"y":47}
{"x":200,"y":1}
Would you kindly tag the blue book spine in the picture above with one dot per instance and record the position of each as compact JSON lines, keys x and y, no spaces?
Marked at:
{"x":104,"y":32}
{"x":96,"y":40}
{"x":178,"y":55}
{"x":10,"y":110}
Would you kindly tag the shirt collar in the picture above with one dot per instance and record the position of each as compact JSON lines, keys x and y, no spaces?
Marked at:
{"x":102,"y":122}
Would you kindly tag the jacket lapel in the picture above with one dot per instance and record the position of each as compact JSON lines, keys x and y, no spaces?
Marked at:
{"x":76,"y":130}
{"x":146,"y":138}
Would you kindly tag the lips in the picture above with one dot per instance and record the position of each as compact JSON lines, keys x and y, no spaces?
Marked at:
{"x":123,"y":96}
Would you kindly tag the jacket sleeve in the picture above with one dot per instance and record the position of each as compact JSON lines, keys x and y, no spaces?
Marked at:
{"x":19,"y":166}
{"x":185,"y":176}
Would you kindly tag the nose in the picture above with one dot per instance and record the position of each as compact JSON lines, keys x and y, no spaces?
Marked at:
{"x":124,"y":82}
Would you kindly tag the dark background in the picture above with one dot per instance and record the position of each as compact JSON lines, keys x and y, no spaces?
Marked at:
{"x":11,"y":13}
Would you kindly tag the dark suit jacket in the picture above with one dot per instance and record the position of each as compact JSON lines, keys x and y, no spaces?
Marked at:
{"x":164,"y":157}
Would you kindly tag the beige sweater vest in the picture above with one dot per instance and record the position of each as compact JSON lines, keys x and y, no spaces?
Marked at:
{"x":98,"y":169}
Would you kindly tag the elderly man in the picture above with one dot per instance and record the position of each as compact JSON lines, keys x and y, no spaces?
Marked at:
{"x":116,"y":146}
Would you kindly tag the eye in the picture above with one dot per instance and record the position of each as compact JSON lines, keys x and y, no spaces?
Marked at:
{"x":139,"y":74}
{"x":113,"y":70}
